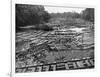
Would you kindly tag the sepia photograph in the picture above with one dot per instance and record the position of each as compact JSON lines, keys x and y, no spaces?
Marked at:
{"x":53,"y":38}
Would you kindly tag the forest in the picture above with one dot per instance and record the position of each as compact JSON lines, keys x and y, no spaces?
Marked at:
{"x":36,"y":17}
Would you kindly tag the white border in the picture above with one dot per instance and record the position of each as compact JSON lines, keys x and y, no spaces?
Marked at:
{"x":36,"y":2}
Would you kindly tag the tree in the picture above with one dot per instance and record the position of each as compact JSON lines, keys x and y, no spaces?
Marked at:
{"x":88,"y":14}
{"x":30,"y":15}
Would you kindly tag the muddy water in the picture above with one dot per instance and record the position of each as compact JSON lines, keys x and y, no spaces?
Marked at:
{"x":77,"y":29}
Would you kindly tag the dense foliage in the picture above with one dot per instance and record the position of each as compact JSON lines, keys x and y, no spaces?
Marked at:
{"x":36,"y":16}
{"x":74,"y":18}
{"x":65,"y":15}
{"x":88,"y":14}
{"x":67,"y":18}
{"x":30,"y":15}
